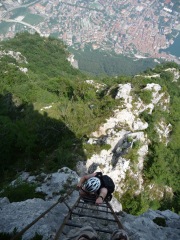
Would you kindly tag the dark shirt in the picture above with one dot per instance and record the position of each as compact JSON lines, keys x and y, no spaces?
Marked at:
{"x":99,"y":175}
{"x":106,"y":182}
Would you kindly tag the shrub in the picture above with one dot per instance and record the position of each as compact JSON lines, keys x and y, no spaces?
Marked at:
{"x":21,"y":192}
{"x":95,"y":148}
{"x":133,"y":152}
{"x":146,"y":96}
{"x":160,"y":221}
{"x":37,"y":237}
{"x":9,"y":236}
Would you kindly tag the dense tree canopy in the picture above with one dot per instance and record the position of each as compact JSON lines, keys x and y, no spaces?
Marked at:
{"x":99,"y":62}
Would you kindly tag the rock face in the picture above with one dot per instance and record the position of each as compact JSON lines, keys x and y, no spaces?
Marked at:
{"x":73,"y":61}
{"x":153,"y":225}
{"x":122,"y":131}
{"x":18,"y":215}
{"x":148,"y":226}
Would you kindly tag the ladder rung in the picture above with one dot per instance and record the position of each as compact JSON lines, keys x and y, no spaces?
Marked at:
{"x":102,"y":218}
{"x":90,"y":203}
{"x":96,"y":229}
{"x":94,"y":209}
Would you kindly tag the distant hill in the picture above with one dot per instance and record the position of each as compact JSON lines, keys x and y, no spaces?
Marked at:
{"x":100,"y":62}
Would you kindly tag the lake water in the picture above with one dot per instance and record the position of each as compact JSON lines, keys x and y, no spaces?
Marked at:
{"x":174,"y":49}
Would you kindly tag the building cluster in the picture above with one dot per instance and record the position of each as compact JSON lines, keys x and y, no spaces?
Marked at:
{"x":128,"y":27}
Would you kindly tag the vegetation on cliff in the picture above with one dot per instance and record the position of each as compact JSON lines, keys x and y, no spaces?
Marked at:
{"x":33,"y":139}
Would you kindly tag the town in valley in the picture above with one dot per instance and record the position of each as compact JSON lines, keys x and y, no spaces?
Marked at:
{"x":140,"y":28}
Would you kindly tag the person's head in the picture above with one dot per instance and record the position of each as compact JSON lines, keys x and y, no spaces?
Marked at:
{"x":92,"y":184}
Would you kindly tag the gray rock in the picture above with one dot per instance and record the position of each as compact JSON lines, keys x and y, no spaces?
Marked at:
{"x":143,"y":227}
{"x":4,"y":201}
{"x":17,"y":215}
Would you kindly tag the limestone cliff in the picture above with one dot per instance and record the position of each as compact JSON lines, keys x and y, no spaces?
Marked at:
{"x":16,"y":215}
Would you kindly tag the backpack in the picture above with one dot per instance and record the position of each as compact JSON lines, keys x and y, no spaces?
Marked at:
{"x":108,"y":183}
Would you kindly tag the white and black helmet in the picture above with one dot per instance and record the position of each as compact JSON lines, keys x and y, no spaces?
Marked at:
{"x":92,"y":184}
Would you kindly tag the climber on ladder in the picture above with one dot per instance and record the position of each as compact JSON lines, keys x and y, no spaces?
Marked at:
{"x":97,"y":187}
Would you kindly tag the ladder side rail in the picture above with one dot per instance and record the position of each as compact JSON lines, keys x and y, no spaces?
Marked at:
{"x":38,"y":218}
{"x":115,"y":216}
{"x":58,"y":233}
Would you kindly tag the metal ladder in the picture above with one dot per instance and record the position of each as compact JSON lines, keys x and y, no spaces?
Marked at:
{"x":83,"y":212}
{"x":84,"y":209}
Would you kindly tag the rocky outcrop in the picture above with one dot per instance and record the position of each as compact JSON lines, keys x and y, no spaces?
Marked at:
{"x":121,"y":132}
{"x":17,"y":215}
{"x":152,"y":225}
{"x":73,"y":61}
{"x":16,"y":55}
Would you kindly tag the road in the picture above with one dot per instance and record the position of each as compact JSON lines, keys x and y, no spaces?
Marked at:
{"x":24,"y":23}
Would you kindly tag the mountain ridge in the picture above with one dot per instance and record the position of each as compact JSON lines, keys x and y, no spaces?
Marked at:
{"x":50,"y":113}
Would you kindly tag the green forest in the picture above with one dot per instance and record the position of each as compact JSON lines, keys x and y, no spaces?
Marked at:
{"x":35,"y":140}
{"x":100,"y":62}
